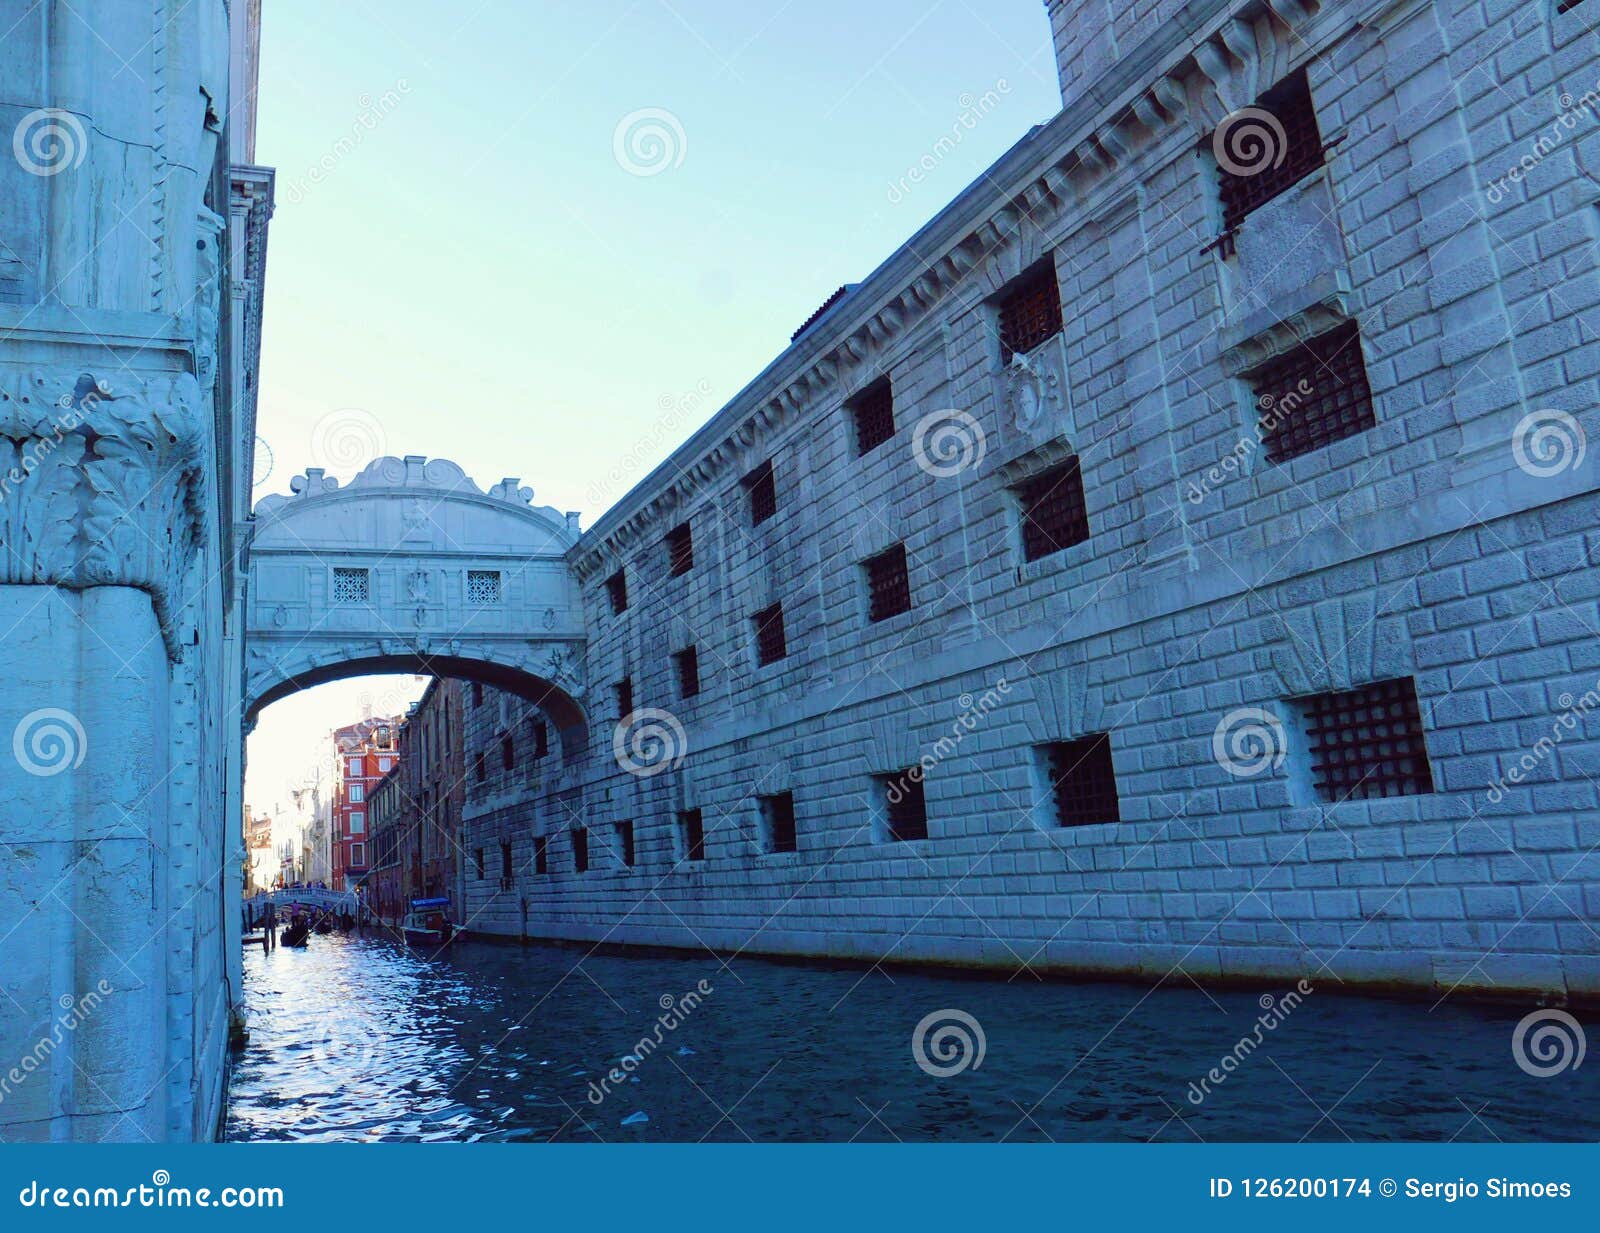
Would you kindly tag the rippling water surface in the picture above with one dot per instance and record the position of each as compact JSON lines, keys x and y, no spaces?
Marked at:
{"x":359,"y":1039}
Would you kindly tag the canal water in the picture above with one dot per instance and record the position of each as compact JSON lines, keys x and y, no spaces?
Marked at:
{"x":357,"y":1039}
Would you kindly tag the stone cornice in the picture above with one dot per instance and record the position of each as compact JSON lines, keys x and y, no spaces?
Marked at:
{"x":1189,"y":71}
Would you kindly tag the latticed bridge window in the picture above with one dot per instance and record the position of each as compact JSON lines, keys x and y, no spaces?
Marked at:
{"x":483,"y":586}
{"x":1083,"y":784}
{"x":1055,"y":513}
{"x":350,"y":586}
{"x":1367,"y":743}
{"x":1314,"y":395}
{"x":1030,"y":312}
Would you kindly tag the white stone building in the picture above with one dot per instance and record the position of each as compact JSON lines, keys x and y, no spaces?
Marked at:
{"x":1178,"y":556}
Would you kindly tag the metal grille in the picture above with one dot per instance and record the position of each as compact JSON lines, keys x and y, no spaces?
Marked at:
{"x":625,"y":697}
{"x":625,"y":841}
{"x":483,"y":586}
{"x":763,"y":493}
{"x":1082,"y":781}
{"x":1314,"y":395}
{"x":541,"y":854}
{"x":873,"y":410}
{"x":1289,"y":104}
{"x":1030,"y":313}
{"x":905,"y":807}
{"x":688,"y":661}
{"x":680,"y":550}
{"x":779,"y":812}
{"x":1054,"y":512}
{"x":888,"y":584}
{"x":617,"y":589}
{"x":771,"y":645}
{"x":580,"y":849}
{"x":350,"y":586}
{"x":692,"y":824}
{"x":1367,"y":743}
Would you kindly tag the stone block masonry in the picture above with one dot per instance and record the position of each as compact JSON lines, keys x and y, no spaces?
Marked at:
{"x":1285,"y":487}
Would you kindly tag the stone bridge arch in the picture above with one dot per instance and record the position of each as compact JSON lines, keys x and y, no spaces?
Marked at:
{"x":412,"y":568}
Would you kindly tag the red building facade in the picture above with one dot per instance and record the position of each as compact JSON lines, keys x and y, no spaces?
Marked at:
{"x":366,"y":752}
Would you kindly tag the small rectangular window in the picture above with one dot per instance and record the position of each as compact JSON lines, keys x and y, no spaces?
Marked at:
{"x":1083,"y":784}
{"x":624,"y":690}
{"x":888,"y":584}
{"x":777,"y":820}
{"x":771,"y":642}
{"x":763,"y":493}
{"x":1314,"y":395}
{"x":1029,"y":312}
{"x":541,"y":738}
{"x":905,"y":808}
{"x":358,"y":822}
{"x":692,"y":835}
{"x":480,"y":768}
{"x":541,"y":854}
{"x":350,"y":586}
{"x":1054,"y":511}
{"x":617,"y":590}
{"x":358,"y":793}
{"x":687,"y":662}
{"x":873,"y":413}
{"x":505,"y":860}
{"x":625,"y":842}
{"x":477,"y":694}
{"x":477,"y":862}
{"x":483,"y":586}
{"x":680,"y":550}
{"x":1259,"y":158}
{"x":1367,"y":743}
{"x":580,"y":849}
{"x":508,"y":752}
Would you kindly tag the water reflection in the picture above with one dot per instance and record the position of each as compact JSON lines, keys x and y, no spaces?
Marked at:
{"x":357,"y":1039}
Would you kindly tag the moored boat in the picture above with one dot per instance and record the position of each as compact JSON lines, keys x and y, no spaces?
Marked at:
{"x":426,"y":924}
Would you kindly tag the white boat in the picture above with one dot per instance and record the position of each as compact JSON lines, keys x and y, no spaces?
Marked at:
{"x":426,"y":924}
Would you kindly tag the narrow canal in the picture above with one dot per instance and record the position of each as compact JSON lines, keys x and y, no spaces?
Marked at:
{"x":359,"y":1040}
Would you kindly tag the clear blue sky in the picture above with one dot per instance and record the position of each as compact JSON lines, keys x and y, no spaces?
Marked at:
{"x":475,"y":276}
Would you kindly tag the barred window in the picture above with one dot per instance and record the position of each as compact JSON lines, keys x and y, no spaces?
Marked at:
{"x":687,"y":662}
{"x":680,"y":550}
{"x":763,"y":493}
{"x":1367,"y":743}
{"x":1030,"y":312}
{"x":624,"y":689}
{"x":777,"y":818}
{"x":873,"y":412}
{"x":580,"y":849}
{"x":617,"y":590}
{"x":481,"y":768}
{"x":477,"y":693}
{"x":888,"y":584}
{"x":1083,"y":784}
{"x":541,"y":737}
{"x":350,"y":586}
{"x":1054,"y":512}
{"x":483,"y":586}
{"x":1314,"y":395}
{"x":1262,"y":157}
{"x":477,"y":861}
{"x":541,"y":854}
{"x":771,"y":644}
{"x":505,"y":862}
{"x":692,"y":835}
{"x":905,"y":808}
{"x":508,"y":752}
{"x":625,"y":842}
